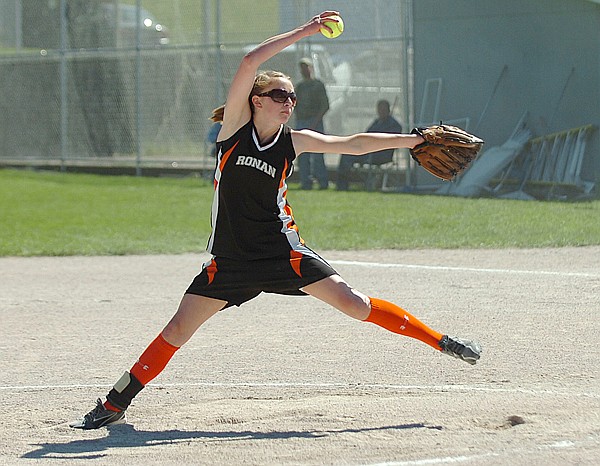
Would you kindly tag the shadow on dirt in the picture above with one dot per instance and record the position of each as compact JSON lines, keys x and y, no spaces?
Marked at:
{"x":125,"y":436}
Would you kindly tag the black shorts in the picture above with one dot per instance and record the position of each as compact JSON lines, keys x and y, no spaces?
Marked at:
{"x":237,"y":281}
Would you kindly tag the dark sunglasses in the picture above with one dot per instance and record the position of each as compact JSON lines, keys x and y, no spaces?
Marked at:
{"x":280,"y":96}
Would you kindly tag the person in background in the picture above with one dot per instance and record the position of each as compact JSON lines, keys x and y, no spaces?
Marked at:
{"x":211,"y":137}
{"x":384,"y":123}
{"x":311,"y":107}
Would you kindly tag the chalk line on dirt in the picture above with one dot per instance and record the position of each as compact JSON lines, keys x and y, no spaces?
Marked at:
{"x":464,"y":269}
{"x":320,"y":386}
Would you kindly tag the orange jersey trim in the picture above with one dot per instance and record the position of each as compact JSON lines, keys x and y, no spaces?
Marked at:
{"x":211,"y":270}
{"x":225,"y":158}
{"x":295,"y":260}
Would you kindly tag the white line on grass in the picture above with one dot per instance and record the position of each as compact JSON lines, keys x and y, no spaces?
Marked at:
{"x":464,"y":269}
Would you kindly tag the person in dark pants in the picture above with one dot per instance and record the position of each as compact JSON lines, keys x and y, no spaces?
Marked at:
{"x":312,"y":105}
{"x":384,"y":123}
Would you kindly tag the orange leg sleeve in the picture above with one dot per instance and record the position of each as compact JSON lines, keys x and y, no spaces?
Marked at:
{"x":397,"y":320}
{"x":153,"y":360}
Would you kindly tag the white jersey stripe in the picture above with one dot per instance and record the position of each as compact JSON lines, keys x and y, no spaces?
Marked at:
{"x":215,"y":203}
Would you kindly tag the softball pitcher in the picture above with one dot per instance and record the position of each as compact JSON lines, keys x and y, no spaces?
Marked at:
{"x":255,"y":244}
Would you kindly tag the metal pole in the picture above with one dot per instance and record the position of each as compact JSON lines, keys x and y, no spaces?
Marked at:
{"x":115,"y":25}
{"x":18,"y":25}
{"x":562,"y":94}
{"x":219,"y":68}
{"x":309,"y":13}
{"x":64,"y":120}
{"x":206,"y":15}
{"x":409,"y":80}
{"x":487,"y":104}
{"x":138,"y":89}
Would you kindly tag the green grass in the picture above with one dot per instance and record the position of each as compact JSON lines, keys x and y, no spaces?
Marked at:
{"x":58,"y":214}
{"x":68,"y":214}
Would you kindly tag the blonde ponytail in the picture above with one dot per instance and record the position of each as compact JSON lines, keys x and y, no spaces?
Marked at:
{"x":217,"y":114}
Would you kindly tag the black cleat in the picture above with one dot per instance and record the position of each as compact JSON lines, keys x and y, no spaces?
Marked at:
{"x":467,"y":350}
{"x":100,"y":417}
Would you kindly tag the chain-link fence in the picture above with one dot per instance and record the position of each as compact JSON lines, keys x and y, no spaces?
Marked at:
{"x":133,"y":83}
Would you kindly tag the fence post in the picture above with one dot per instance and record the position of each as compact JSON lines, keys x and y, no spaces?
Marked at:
{"x":64,"y":120}
{"x":138,"y":88}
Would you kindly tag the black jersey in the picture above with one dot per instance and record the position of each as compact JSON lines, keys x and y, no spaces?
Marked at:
{"x":251,"y":218}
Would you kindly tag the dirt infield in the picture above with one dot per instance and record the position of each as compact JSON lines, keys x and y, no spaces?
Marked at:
{"x":288,"y":380}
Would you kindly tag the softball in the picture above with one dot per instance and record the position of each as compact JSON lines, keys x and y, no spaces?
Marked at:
{"x":337,"y":28}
